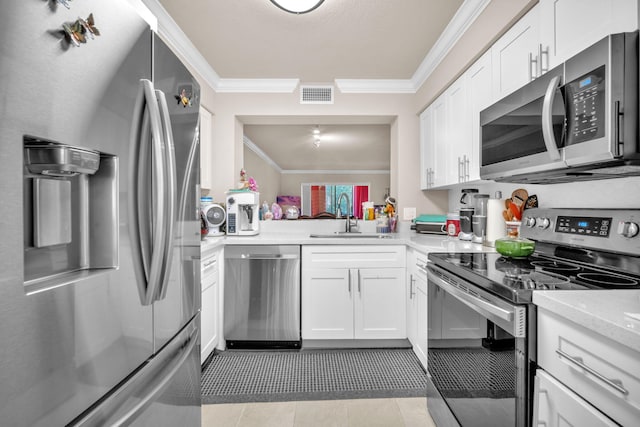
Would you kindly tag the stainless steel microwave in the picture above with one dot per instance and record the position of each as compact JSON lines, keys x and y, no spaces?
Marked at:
{"x":579,"y":121}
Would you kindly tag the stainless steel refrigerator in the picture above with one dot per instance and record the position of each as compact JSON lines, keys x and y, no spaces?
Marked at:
{"x":99,"y":246}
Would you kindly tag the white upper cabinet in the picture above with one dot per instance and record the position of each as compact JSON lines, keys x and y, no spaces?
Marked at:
{"x":450,"y":129}
{"x":514,"y":55}
{"x":427,"y":157}
{"x":479,"y":96}
{"x":433,"y":144}
{"x":458,"y":132}
{"x":569,"y":26}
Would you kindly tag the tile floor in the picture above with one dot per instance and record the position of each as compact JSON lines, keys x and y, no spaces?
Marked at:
{"x":407,"y":412}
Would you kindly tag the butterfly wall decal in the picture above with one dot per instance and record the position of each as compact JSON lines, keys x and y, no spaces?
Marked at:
{"x":183,"y":99}
{"x":65,"y":3}
{"x":76,"y":32}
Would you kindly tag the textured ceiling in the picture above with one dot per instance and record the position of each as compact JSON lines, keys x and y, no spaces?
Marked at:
{"x":347,"y":39}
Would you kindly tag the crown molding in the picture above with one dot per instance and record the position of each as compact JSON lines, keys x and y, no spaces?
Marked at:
{"x":264,"y":156}
{"x":336,"y":172}
{"x":257,"y":85}
{"x":169,"y":30}
{"x":173,"y":34}
{"x":464,"y":17}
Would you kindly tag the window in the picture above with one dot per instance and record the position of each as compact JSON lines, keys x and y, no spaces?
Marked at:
{"x":320,"y":198}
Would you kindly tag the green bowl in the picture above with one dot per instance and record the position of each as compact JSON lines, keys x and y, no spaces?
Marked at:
{"x":515,"y":248}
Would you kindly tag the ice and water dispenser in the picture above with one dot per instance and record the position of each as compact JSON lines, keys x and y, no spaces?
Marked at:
{"x":70,"y":213}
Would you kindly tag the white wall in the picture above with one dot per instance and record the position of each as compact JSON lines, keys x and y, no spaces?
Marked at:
{"x":609,"y":193}
{"x":268,"y":178}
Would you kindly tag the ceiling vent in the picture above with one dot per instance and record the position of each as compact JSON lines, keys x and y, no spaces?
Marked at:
{"x":316,"y":94}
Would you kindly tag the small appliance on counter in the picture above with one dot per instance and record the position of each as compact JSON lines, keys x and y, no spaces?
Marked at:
{"x":467,"y":209}
{"x":431,"y":224}
{"x":242,"y":212}
{"x":479,"y":217}
{"x":214,"y":214}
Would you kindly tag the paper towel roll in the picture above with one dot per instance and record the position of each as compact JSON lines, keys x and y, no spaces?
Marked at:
{"x":495,"y":222}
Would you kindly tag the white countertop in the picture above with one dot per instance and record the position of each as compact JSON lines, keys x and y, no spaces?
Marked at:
{"x":614,"y":314}
{"x":420,"y":242}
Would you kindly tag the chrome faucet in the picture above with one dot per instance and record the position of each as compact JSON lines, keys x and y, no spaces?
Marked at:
{"x":348,"y":223}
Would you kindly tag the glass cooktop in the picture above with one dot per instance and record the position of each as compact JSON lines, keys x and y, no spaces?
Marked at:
{"x":516,"y":279}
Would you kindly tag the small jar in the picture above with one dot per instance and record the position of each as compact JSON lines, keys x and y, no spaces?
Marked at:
{"x":453,"y":224}
{"x":513,"y":229}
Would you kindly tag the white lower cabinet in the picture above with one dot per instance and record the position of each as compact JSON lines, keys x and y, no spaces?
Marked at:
{"x":210,"y":308}
{"x":603,"y":376}
{"x":345,"y":297}
{"x":558,"y":406}
{"x":417,"y":304}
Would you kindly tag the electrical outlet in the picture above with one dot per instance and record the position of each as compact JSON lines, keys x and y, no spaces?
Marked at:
{"x":408,"y":214}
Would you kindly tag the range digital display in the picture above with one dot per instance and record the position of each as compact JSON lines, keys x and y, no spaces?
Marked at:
{"x":585,"y":82}
{"x":585,"y":226}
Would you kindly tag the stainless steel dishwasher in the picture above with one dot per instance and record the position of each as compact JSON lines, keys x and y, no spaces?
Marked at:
{"x":262,"y":296}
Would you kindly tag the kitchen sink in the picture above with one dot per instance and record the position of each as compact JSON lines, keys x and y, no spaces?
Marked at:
{"x":351,"y":234}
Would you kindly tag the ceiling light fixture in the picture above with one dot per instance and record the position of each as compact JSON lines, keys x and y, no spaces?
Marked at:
{"x":297,"y":6}
{"x":316,"y":136}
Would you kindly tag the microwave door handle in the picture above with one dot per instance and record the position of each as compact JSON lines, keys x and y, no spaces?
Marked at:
{"x":547,"y":120}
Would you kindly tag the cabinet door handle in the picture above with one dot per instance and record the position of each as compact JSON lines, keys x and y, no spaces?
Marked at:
{"x":349,"y":281}
{"x":533,"y":65}
{"x":359,"y":289}
{"x":616,"y":384}
{"x":466,"y":168}
{"x":541,"y":69}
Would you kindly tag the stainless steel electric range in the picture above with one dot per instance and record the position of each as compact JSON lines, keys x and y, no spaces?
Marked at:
{"x":489,"y":381}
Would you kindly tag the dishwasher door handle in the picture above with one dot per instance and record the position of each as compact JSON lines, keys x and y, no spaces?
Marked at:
{"x":265,"y":256}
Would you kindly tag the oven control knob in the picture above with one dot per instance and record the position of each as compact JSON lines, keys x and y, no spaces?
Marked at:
{"x":543,"y":223}
{"x":628,"y":229}
{"x":530,"y":221}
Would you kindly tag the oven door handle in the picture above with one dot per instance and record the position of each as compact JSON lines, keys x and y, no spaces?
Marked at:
{"x":472,"y":301}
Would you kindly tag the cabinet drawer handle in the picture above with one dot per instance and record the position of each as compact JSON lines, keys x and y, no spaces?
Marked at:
{"x":207,"y":264}
{"x":411,"y":284}
{"x":616,"y":384}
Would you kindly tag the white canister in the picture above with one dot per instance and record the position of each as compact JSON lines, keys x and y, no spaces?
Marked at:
{"x":495,"y":228}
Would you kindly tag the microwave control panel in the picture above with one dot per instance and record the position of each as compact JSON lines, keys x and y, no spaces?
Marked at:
{"x":585,"y":97}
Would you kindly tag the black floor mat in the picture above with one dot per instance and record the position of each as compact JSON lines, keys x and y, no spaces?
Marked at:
{"x":270,"y":376}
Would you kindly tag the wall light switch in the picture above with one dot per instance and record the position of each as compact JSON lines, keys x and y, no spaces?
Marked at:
{"x":408,"y":214}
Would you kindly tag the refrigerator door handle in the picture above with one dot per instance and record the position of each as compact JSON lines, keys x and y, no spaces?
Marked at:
{"x":173,"y":367}
{"x":145,"y":237}
{"x":191,"y":164}
{"x":170,"y":178}
{"x":145,"y":386}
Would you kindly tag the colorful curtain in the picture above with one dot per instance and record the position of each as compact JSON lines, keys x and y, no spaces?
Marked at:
{"x":318,"y":203}
{"x":360,"y":194}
